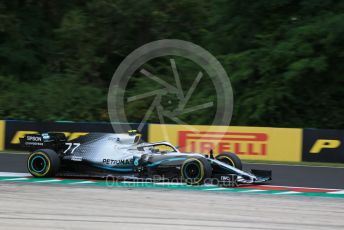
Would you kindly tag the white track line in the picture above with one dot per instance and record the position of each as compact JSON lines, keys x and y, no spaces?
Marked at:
{"x":254,"y":190}
{"x":209,"y":185}
{"x":280,"y":186}
{"x":169,"y":183}
{"x":287,"y":193}
{"x":217,"y":189}
{"x":14,"y":174}
{"x":47,"y":181}
{"x":83,"y":182}
{"x":336,"y":192}
{"x":14,"y":179}
{"x":21,"y":176}
{"x":131,"y":182}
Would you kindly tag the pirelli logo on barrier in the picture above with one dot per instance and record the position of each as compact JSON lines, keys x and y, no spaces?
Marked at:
{"x":251,"y":143}
{"x":323,"y":145}
{"x":240,"y":143}
{"x":2,"y":135}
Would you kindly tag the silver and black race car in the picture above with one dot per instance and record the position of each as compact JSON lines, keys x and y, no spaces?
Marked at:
{"x":126,"y":157}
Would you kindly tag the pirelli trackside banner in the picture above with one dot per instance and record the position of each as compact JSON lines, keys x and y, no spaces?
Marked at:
{"x":2,"y":135}
{"x":17,"y":129}
{"x":250,"y":143}
{"x":323,"y":145}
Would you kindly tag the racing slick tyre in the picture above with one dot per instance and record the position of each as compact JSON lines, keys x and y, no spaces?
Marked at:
{"x":231,"y":159}
{"x":195,"y":171}
{"x":43,"y":163}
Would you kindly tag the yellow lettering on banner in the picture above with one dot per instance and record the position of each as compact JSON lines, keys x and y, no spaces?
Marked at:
{"x":21,"y":134}
{"x":67,"y":134}
{"x":2,"y":135}
{"x":324,"y":144}
{"x":249,"y":143}
{"x":73,"y":136}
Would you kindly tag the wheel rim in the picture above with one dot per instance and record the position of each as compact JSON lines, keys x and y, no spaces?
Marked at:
{"x":38,"y":164}
{"x":192,"y":171}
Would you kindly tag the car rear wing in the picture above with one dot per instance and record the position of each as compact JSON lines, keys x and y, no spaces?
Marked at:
{"x":55,"y":141}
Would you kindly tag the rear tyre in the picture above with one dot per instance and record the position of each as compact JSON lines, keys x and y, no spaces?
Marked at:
{"x":43,"y":163}
{"x":230,"y":159}
{"x":195,"y":171}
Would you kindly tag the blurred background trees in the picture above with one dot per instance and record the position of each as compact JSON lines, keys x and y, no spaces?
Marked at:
{"x":284,"y":58}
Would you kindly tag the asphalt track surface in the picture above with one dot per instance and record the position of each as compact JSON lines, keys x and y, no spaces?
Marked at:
{"x":284,"y":175}
{"x":27,"y":206}
{"x":52,"y":206}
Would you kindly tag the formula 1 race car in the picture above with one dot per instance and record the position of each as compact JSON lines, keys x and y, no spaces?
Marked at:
{"x":126,"y":157}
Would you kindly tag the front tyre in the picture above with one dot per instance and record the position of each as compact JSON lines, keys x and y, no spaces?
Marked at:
{"x":230,"y":159}
{"x":43,"y":163}
{"x":195,"y":171}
